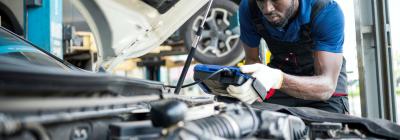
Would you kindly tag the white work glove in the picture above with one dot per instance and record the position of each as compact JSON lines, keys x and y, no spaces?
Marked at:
{"x":268,"y":77}
{"x":244,"y":93}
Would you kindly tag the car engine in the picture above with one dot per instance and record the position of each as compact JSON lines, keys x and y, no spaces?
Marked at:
{"x":167,"y":117}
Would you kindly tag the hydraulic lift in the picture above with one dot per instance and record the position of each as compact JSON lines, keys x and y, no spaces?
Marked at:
{"x":40,"y":21}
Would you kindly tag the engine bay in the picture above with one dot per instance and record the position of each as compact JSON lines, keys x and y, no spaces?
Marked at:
{"x":171,"y":116}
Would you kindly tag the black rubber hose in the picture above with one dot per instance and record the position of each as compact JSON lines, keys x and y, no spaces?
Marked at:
{"x":38,"y":130}
{"x":216,"y":126}
{"x":231,"y":124}
{"x":299,"y":133}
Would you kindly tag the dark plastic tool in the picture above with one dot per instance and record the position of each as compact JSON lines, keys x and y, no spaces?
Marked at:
{"x":218,"y":83}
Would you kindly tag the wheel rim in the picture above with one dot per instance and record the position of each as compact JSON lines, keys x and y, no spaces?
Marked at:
{"x":217,"y":39}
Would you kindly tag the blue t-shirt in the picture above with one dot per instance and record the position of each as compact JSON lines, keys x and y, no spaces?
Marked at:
{"x":327,"y":30}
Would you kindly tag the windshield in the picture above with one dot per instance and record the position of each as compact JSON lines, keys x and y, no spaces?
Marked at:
{"x":16,"y":52}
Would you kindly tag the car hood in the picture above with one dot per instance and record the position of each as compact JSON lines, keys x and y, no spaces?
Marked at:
{"x":131,"y":28}
{"x":44,"y":81}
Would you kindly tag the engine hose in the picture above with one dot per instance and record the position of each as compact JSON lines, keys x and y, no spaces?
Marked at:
{"x":275,"y":125}
{"x":238,"y":123}
{"x":231,"y":124}
{"x":217,"y":126}
{"x":299,"y":133}
{"x":38,"y":130}
{"x":297,"y":127}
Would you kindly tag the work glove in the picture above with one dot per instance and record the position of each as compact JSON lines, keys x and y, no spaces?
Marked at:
{"x":268,"y":77}
{"x":244,"y":92}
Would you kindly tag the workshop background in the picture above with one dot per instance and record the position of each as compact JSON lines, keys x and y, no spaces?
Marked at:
{"x":60,"y":28}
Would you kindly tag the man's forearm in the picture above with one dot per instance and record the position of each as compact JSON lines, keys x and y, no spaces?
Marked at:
{"x":308,"y":87}
{"x":251,"y":54}
{"x":249,"y":61}
{"x":319,"y":87}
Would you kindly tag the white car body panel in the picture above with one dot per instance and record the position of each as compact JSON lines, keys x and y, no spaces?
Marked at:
{"x":135,"y":27}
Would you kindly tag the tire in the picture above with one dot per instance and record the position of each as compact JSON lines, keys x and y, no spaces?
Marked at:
{"x":220,"y":40}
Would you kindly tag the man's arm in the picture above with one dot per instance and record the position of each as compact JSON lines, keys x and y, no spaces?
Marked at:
{"x":328,"y":36}
{"x":251,"y":54}
{"x":319,"y":87}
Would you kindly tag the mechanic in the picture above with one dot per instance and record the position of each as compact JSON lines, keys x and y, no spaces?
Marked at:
{"x":305,"y":38}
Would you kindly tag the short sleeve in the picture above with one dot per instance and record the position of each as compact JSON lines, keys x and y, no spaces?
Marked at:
{"x":248,"y":34}
{"x":328,"y":29}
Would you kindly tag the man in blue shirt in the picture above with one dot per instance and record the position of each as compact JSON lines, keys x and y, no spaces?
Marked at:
{"x":305,"y":38}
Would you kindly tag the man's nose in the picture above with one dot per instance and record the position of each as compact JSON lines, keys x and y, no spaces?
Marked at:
{"x":269,"y":6}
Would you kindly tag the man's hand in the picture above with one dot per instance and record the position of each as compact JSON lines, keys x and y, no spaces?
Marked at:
{"x":244,"y":93}
{"x":268,"y":77}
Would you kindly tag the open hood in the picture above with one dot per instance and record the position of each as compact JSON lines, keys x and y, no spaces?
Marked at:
{"x":131,"y":28}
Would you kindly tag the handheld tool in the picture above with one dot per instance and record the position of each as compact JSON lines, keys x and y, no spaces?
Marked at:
{"x":215,"y":80}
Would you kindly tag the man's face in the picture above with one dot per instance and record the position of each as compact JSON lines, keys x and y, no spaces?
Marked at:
{"x":277,"y":12}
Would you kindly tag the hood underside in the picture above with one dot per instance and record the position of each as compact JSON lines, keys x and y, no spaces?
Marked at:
{"x":131,"y":28}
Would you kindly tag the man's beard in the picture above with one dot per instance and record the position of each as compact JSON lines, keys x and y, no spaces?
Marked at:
{"x":285,"y":19}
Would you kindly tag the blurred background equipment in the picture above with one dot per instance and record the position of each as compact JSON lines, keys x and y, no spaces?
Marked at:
{"x":81,"y":50}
